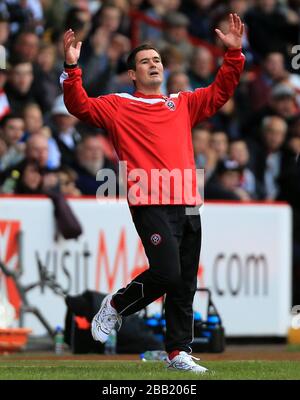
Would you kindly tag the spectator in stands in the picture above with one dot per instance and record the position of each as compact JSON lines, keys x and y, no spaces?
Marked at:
{"x":205,"y":156}
{"x":282,"y":103}
{"x":289,"y":184}
{"x":64,"y":131}
{"x":19,"y":87}
{"x":273,"y":71}
{"x":112,"y":77}
{"x":34,"y":125}
{"x":94,"y":53}
{"x":294,"y":146}
{"x":12,"y":130}
{"x":79,"y":18}
{"x":3,"y":149}
{"x":199,"y":14}
{"x":90,"y":160}
{"x":156,"y":10}
{"x":294,"y":126}
{"x":173,"y":61}
{"x":30,"y":179}
{"x":201,"y":71}
{"x":109,"y":17}
{"x":271,"y":158}
{"x":220,"y":144}
{"x":271,"y":27}
{"x":294,"y":5}
{"x":54,"y":15}
{"x":46,"y":75}
{"x":67,"y":182}
{"x":26,"y":46}
{"x":178,"y":81}
{"x":176,"y":34}
{"x":23,"y":14}
{"x":239,"y":152}
{"x":227,"y":120}
{"x":4,"y":104}
{"x":33,"y":119}
{"x":240,"y":7}
{"x":4,"y":30}
{"x":36,"y":151}
{"x":225,"y":184}
{"x":36,"y":180}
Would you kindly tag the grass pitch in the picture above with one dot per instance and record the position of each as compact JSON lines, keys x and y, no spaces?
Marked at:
{"x":138,"y":370}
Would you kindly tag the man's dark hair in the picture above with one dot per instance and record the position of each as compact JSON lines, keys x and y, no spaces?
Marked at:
{"x":8,"y":117}
{"x":131,"y":64}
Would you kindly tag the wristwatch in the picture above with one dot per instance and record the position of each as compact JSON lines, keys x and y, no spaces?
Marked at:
{"x":70,"y":65}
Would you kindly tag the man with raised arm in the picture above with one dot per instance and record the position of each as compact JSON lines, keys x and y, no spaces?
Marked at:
{"x":152,"y":134}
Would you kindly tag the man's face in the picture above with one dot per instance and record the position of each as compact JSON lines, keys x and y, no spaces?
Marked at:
{"x":149,"y":70}
{"x":28,"y":46}
{"x":179,"y":83}
{"x":274,"y":136}
{"x":92,"y":149}
{"x":284,"y":106}
{"x":33,"y":119}
{"x":37,"y":150}
{"x":203,"y":63}
{"x":110,"y":19}
{"x":21,"y":77}
{"x":177,"y":34}
{"x":91,"y":155}
{"x":201,"y":141}
{"x":267,"y":5}
{"x":219,"y":143}
{"x":274,"y":66}
{"x":31,"y":177}
{"x":13,"y":130}
{"x":64,"y":122}
{"x":230,"y":180}
{"x":238,"y":152}
{"x":4,"y":32}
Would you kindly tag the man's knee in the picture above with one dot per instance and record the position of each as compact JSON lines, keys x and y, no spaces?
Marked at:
{"x":174,"y":281}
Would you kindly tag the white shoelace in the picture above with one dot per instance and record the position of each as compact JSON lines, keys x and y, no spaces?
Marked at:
{"x":110,"y":318}
{"x":185,"y":360}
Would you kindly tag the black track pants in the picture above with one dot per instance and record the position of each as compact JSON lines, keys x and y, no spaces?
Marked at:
{"x":172,"y":242}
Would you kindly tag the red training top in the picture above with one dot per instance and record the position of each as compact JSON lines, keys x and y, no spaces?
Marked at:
{"x":152,"y":133}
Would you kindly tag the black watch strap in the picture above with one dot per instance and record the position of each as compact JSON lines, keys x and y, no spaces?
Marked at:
{"x":70,"y":65}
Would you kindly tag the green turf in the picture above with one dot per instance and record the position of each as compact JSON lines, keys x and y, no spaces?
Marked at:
{"x":293,"y":347}
{"x":131,"y":370}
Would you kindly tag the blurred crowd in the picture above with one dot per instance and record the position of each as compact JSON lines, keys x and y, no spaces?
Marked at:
{"x":249,"y":149}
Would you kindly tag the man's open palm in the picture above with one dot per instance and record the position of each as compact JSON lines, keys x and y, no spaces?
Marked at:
{"x":232,"y":39}
{"x":72,"y":52}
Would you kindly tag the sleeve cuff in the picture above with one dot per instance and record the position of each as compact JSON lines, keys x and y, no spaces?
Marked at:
{"x":69,"y":70}
{"x":234,"y":52}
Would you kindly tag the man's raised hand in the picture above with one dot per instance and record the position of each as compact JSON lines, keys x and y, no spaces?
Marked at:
{"x":232,"y":39}
{"x":72,"y":51}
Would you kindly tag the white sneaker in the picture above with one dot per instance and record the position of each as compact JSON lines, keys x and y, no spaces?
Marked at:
{"x":105,"y":320}
{"x":185,"y":362}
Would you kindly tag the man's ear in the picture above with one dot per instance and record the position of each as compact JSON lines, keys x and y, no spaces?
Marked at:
{"x":131,"y":74}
